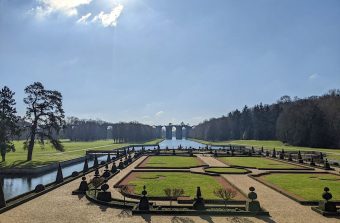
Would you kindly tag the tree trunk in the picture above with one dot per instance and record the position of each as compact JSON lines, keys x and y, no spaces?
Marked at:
{"x":3,"y":156}
{"x":31,"y":142}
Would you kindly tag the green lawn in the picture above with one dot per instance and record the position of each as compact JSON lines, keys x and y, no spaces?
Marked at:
{"x":308,"y":186}
{"x":270,"y":144}
{"x":225,"y":170}
{"x":171,"y":161}
{"x":47,"y":155}
{"x":156,"y":182}
{"x":257,"y":162}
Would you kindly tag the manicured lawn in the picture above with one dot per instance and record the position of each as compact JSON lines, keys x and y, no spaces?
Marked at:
{"x":47,"y":155}
{"x":270,"y":144}
{"x":257,"y":162}
{"x":308,"y":186}
{"x":156,"y":182}
{"x":225,"y":170}
{"x":171,"y":161}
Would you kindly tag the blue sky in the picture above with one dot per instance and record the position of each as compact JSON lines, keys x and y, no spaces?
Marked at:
{"x":161,"y":61}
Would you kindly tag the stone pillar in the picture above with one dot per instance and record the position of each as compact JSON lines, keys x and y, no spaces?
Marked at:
{"x":179,"y":132}
{"x":168,"y":132}
{"x":159,"y":131}
{"x":187,"y":131}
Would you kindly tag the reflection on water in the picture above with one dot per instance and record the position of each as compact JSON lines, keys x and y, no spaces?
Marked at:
{"x":174,"y":143}
{"x":14,"y":185}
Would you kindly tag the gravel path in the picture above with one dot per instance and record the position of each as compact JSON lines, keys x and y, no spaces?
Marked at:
{"x":211,"y":161}
{"x":281,"y":208}
{"x":60,"y":206}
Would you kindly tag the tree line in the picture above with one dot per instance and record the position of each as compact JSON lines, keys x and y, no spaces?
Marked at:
{"x":45,"y":121}
{"x":89,"y":130}
{"x":311,"y":122}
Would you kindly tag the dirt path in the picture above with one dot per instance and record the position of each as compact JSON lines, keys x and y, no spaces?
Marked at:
{"x":281,"y":208}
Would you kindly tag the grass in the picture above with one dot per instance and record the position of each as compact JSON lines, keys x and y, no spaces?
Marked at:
{"x":156,"y":182}
{"x":46,"y":155}
{"x":225,"y":170}
{"x":257,"y":162}
{"x":308,"y":186}
{"x":171,"y":161}
{"x":270,"y":144}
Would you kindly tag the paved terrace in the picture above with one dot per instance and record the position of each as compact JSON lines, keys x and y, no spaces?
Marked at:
{"x":60,"y":206}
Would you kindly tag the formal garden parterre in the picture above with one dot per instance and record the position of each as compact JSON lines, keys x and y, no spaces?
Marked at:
{"x":194,"y":188}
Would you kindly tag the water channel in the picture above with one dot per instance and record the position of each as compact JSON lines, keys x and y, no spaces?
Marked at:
{"x":16,"y":185}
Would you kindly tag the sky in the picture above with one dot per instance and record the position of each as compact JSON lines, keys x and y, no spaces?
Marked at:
{"x":161,"y":61}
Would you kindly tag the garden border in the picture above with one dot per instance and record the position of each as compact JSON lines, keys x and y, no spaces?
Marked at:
{"x":284,"y":192}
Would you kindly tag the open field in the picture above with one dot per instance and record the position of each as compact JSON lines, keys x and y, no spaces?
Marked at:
{"x":156,"y":182}
{"x":257,"y":162}
{"x":171,"y":162}
{"x":225,"y":170}
{"x":307,"y":186}
{"x":47,"y":155}
{"x":270,"y":144}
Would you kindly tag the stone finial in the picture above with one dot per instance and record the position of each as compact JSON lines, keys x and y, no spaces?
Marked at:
{"x":252,"y":204}
{"x":95,"y":163}
{"x":59,"y":178}
{"x":326,"y":194}
{"x":108,"y":159}
{"x":144,"y":192}
{"x":96,"y":173}
{"x":86,"y":166}
{"x":274,"y":153}
{"x":2,"y":197}
{"x":326,"y":165}
{"x":83,"y":187}
{"x":312,"y":163}
{"x":104,"y":187}
{"x":198,"y":192}
{"x":252,"y":194}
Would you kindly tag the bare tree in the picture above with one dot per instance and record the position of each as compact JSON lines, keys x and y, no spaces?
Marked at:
{"x":225,"y":193}
{"x":173,"y":193}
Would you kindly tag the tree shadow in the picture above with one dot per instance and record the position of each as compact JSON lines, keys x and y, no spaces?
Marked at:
{"x":125,"y":213}
{"x":266,"y":219}
{"x":146,"y":217}
{"x":103,"y":208}
{"x":207,"y":218}
{"x":80,"y":196}
{"x":181,"y":220}
{"x":240,"y":220}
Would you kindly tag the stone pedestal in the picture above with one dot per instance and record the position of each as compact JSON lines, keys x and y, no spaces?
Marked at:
{"x":104,"y":196}
{"x":327,"y":206}
{"x":199,"y":204}
{"x":253,"y":206}
{"x":83,"y":187}
{"x":144,"y":204}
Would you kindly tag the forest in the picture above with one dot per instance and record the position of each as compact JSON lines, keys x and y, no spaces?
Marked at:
{"x":311,"y":122}
{"x":88,"y":130}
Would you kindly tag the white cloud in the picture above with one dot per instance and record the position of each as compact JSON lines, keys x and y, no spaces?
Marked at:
{"x":109,"y":19}
{"x":68,"y":7}
{"x":84,"y":18}
{"x":313,"y":76}
{"x":159,"y":113}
